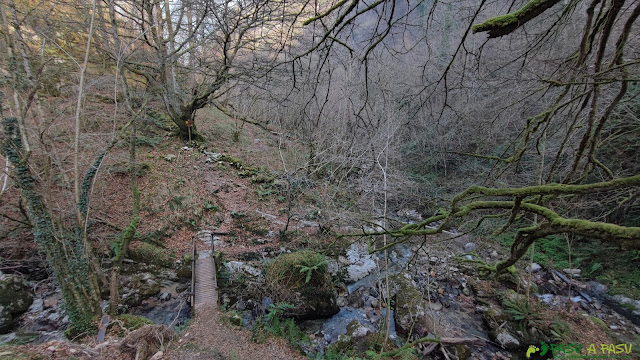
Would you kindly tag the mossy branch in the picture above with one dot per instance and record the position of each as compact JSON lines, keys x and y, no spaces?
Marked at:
{"x":505,"y":24}
{"x":474,"y":199}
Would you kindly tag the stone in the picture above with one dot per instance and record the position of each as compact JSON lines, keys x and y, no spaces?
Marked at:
{"x":149,"y":288}
{"x":494,"y":253}
{"x":435,"y":306}
{"x":342,"y":289}
{"x":212,"y":155}
{"x":374,"y":303}
{"x":360,"y":262}
{"x":157,"y":356}
{"x":507,"y":341}
{"x":409,"y":304}
{"x":132,"y":299}
{"x":239,"y":266}
{"x":182,"y":287}
{"x":15,"y":298}
{"x":572,"y":272}
{"x":409,"y":214}
{"x":433,"y":260}
{"x":360,"y":332}
{"x":469,"y":247}
{"x":15,"y":294}
{"x":355,"y":300}
{"x":165,"y":296}
{"x":310,"y":292}
{"x":37,"y":306}
{"x":341,"y":301}
{"x":534,"y":268}
{"x":333,"y":267}
{"x":6,"y":320}
{"x":170,"y":157}
{"x":373,"y":292}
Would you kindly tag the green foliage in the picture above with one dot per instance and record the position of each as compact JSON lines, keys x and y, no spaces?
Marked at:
{"x":298,"y":269}
{"x":132,"y":322}
{"x":142,"y":140}
{"x":273,"y":324}
{"x":81,"y":325}
{"x":211,"y":207}
{"x":560,"y":330}
{"x":310,"y":269}
{"x":151,"y":254}
{"x":522,"y":312}
{"x":607,"y":264}
{"x":599,"y":322}
{"x":177,"y":202}
{"x":264,"y":190}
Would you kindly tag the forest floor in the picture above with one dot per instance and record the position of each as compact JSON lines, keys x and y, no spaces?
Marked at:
{"x":223,"y":186}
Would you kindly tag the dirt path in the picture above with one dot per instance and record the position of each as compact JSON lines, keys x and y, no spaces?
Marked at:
{"x":211,"y":337}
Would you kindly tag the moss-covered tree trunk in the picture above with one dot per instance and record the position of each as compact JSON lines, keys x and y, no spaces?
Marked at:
{"x":64,"y":248}
{"x":122,"y":246}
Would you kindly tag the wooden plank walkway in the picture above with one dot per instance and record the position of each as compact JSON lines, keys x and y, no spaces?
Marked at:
{"x":206,"y":289}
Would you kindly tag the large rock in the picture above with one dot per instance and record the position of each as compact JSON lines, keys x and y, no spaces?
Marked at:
{"x":360,"y":262}
{"x":6,"y":320}
{"x":301,"y":278}
{"x":146,"y":285}
{"x":15,"y":299}
{"x":410,"y":310}
{"x":507,"y":341}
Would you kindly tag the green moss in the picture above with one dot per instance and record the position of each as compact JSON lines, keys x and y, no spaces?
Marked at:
{"x":498,"y":21}
{"x":287,"y":270}
{"x":150,"y":254}
{"x":599,"y":322}
{"x":132,"y":322}
{"x":516,"y":18}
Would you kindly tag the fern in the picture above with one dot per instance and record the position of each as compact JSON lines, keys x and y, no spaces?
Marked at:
{"x":310,"y":269}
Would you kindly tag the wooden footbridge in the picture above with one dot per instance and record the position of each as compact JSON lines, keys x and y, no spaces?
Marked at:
{"x":204,"y":282}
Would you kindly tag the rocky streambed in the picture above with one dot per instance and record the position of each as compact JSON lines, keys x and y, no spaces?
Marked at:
{"x":436,"y":291}
{"x":33,"y":311}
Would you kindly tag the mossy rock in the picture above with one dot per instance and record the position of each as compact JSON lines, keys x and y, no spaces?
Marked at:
{"x":494,"y":317}
{"x":285,"y":270}
{"x":132,"y":322}
{"x":409,"y":304}
{"x":301,"y":278}
{"x":15,"y":298}
{"x":150,"y":254}
{"x":6,"y":320}
{"x":15,"y":294}
{"x":184,"y":270}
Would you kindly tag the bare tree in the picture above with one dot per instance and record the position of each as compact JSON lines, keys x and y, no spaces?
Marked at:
{"x":191,"y":52}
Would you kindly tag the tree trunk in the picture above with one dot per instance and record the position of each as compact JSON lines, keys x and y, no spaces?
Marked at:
{"x":181,"y":115}
{"x":123,"y":244}
{"x":64,"y":250}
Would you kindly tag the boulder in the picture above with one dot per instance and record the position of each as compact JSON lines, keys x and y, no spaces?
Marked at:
{"x":15,"y":294}
{"x":469,"y":247}
{"x":301,"y":278}
{"x":6,"y":320}
{"x":15,"y":298}
{"x":360,"y":262}
{"x":507,"y":341}
{"x":410,"y":312}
